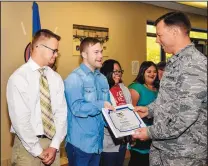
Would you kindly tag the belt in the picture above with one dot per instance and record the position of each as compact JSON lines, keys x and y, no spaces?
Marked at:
{"x":42,"y":136}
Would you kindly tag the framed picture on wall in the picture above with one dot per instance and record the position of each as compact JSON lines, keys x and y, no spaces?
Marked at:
{"x":82,"y":31}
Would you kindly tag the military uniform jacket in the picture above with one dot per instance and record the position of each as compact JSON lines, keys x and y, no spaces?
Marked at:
{"x":180,"y":110}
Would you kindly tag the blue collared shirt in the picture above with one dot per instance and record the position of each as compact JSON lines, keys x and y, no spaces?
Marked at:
{"x":86,"y":93}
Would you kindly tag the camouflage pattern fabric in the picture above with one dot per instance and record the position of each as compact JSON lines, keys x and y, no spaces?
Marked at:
{"x":179,"y":132}
{"x":158,"y":158}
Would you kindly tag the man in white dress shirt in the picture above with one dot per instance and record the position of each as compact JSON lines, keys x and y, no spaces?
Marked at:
{"x":32,"y":146}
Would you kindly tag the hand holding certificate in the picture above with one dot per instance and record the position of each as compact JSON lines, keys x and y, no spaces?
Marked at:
{"x":123,"y":121}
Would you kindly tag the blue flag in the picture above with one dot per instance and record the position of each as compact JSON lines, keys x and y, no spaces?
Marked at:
{"x":36,"y":19}
{"x":35,"y":27}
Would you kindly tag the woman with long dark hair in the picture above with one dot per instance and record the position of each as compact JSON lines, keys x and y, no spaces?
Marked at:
{"x":114,"y":149}
{"x":144,"y":90}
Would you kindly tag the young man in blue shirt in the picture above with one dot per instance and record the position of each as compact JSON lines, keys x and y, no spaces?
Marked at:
{"x":87,"y":92}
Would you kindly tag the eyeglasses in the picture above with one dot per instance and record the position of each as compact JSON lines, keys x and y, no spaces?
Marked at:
{"x":54,"y":50}
{"x":118,"y":71}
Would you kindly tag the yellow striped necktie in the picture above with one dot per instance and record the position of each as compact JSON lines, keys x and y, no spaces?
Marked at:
{"x":45,"y":104}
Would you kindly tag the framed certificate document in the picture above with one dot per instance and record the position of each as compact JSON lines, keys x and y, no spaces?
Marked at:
{"x":123,"y":121}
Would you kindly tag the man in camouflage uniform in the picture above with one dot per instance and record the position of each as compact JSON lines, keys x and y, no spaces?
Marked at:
{"x":179,"y":131}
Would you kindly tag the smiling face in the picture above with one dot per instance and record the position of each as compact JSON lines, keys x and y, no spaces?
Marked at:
{"x":92,"y":56}
{"x":117,"y":73}
{"x":44,"y":51}
{"x":165,"y":37}
{"x":150,"y":75}
{"x":49,"y":55}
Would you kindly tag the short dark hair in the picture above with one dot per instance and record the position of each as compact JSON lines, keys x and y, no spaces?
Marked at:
{"x":44,"y":33}
{"x":161,"y":65}
{"x":143,"y":67}
{"x":176,"y":18}
{"x":107,"y":70}
{"x":86,"y":42}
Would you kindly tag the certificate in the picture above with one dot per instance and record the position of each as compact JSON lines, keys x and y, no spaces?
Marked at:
{"x":123,"y":121}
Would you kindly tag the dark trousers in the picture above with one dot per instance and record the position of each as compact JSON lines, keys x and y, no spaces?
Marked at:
{"x":138,"y":159}
{"x":77,"y":157}
{"x":113,"y":158}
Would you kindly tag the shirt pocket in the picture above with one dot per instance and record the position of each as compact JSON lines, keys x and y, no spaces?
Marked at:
{"x":104,"y":93}
{"x":90,"y":94}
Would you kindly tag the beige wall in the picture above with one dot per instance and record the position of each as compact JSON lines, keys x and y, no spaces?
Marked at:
{"x":127,"y":26}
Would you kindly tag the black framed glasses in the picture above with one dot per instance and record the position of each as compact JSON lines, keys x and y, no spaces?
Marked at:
{"x":118,"y":71}
{"x":54,"y":50}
